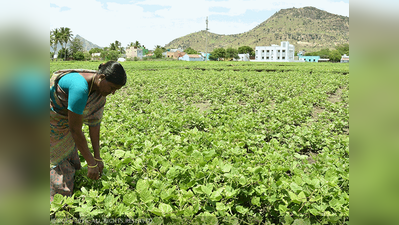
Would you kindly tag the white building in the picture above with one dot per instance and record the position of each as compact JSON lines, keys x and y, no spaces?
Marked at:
{"x":132,"y":52}
{"x":243,"y":57}
{"x":275,"y":53}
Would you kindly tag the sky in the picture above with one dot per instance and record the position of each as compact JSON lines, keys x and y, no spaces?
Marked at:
{"x":158,"y":22}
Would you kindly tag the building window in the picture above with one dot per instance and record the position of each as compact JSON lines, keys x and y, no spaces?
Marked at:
{"x":278,"y":57}
{"x":263,"y":51}
{"x":263,"y":57}
{"x":267,"y":57}
{"x":278,"y":50}
{"x":283,"y":50}
{"x":283,"y":57}
{"x":267,"y":51}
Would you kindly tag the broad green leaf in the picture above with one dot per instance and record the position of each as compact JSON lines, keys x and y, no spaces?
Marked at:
{"x":241,"y":209}
{"x":255,"y":201}
{"x":230,"y":192}
{"x":293,"y":197}
{"x":217,"y":195}
{"x":288,"y":219}
{"x":58,"y":199}
{"x":198,"y":189}
{"x":129,"y":198}
{"x":295,"y":187}
{"x":221,"y":206}
{"x":119,"y":153}
{"x":282,"y":208}
{"x":142,"y":185}
{"x":146,"y":196}
{"x":242,"y":180}
{"x":207,"y":189}
{"x":165,"y":208}
{"x":226,"y":168}
{"x":188,"y":194}
{"x":302,"y":197}
{"x":300,"y":222}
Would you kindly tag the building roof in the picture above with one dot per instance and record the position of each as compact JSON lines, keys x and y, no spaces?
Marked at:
{"x":194,"y":56}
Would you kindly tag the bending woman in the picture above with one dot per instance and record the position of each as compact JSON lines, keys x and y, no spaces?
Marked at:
{"x":77,"y":97}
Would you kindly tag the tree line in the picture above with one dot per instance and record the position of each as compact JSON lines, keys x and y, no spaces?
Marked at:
{"x":334,"y":55}
{"x":76,"y":50}
{"x":230,"y":53}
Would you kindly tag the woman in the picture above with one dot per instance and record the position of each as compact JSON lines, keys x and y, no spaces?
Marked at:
{"x":77,"y":97}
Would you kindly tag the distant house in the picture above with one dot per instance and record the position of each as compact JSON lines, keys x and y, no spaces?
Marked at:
{"x":309,"y":58}
{"x":145,"y":51}
{"x":192,"y":57}
{"x":243,"y":57}
{"x":173,"y":55}
{"x":175,"y":50}
{"x":95,"y":56}
{"x":133,"y":51}
{"x":324,"y":60}
{"x":275,"y":53}
{"x":207,"y":55}
{"x":345,"y":58}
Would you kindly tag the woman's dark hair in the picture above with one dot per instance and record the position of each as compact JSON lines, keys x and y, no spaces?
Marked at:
{"x":113,"y":72}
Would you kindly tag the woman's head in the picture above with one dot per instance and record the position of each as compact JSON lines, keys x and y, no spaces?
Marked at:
{"x":112,"y":77}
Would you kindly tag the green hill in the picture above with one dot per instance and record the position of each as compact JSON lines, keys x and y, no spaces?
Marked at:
{"x":307,"y":28}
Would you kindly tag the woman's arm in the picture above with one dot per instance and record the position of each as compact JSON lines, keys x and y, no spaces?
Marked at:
{"x":75,"y":127}
{"x":94,"y":132}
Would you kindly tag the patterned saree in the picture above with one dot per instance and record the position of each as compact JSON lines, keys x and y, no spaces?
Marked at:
{"x":64,"y":159}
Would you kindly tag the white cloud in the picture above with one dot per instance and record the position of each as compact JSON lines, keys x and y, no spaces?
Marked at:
{"x":104,"y":23}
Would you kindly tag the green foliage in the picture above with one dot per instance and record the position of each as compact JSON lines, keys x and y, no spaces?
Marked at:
{"x":158,"y":53}
{"x":217,"y":54}
{"x":64,"y":53}
{"x":335,"y":56}
{"x":343,"y":49}
{"x":95,"y":50}
{"x":78,"y":56}
{"x":324,"y":53}
{"x":246,"y":49}
{"x":110,"y":55}
{"x":65,"y":37}
{"x":87,"y":56}
{"x":220,"y":143}
{"x":51,"y":54}
{"x":76,"y":46}
{"x":232,"y":53}
{"x":189,"y":50}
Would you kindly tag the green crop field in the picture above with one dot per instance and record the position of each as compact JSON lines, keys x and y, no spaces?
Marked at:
{"x":219,"y":143}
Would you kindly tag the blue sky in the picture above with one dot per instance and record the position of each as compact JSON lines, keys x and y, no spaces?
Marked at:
{"x":158,"y":22}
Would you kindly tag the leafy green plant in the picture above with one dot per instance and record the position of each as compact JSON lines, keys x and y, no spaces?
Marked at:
{"x":225,"y":142}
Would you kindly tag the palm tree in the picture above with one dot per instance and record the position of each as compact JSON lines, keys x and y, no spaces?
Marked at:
{"x":112,"y":46}
{"x":117,"y":45}
{"x":55,"y":38}
{"x":137,"y":44}
{"x":66,"y":35}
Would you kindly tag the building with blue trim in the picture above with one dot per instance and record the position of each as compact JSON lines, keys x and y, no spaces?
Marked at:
{"x":308,"y":58}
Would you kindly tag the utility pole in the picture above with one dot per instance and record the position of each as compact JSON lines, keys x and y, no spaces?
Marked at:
{"x":206,"y":40}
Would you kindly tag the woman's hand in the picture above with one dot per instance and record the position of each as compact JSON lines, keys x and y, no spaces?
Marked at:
{"x":93,"y":173}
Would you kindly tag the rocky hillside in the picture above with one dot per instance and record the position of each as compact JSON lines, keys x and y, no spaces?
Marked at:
{"x":307,"y":28}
